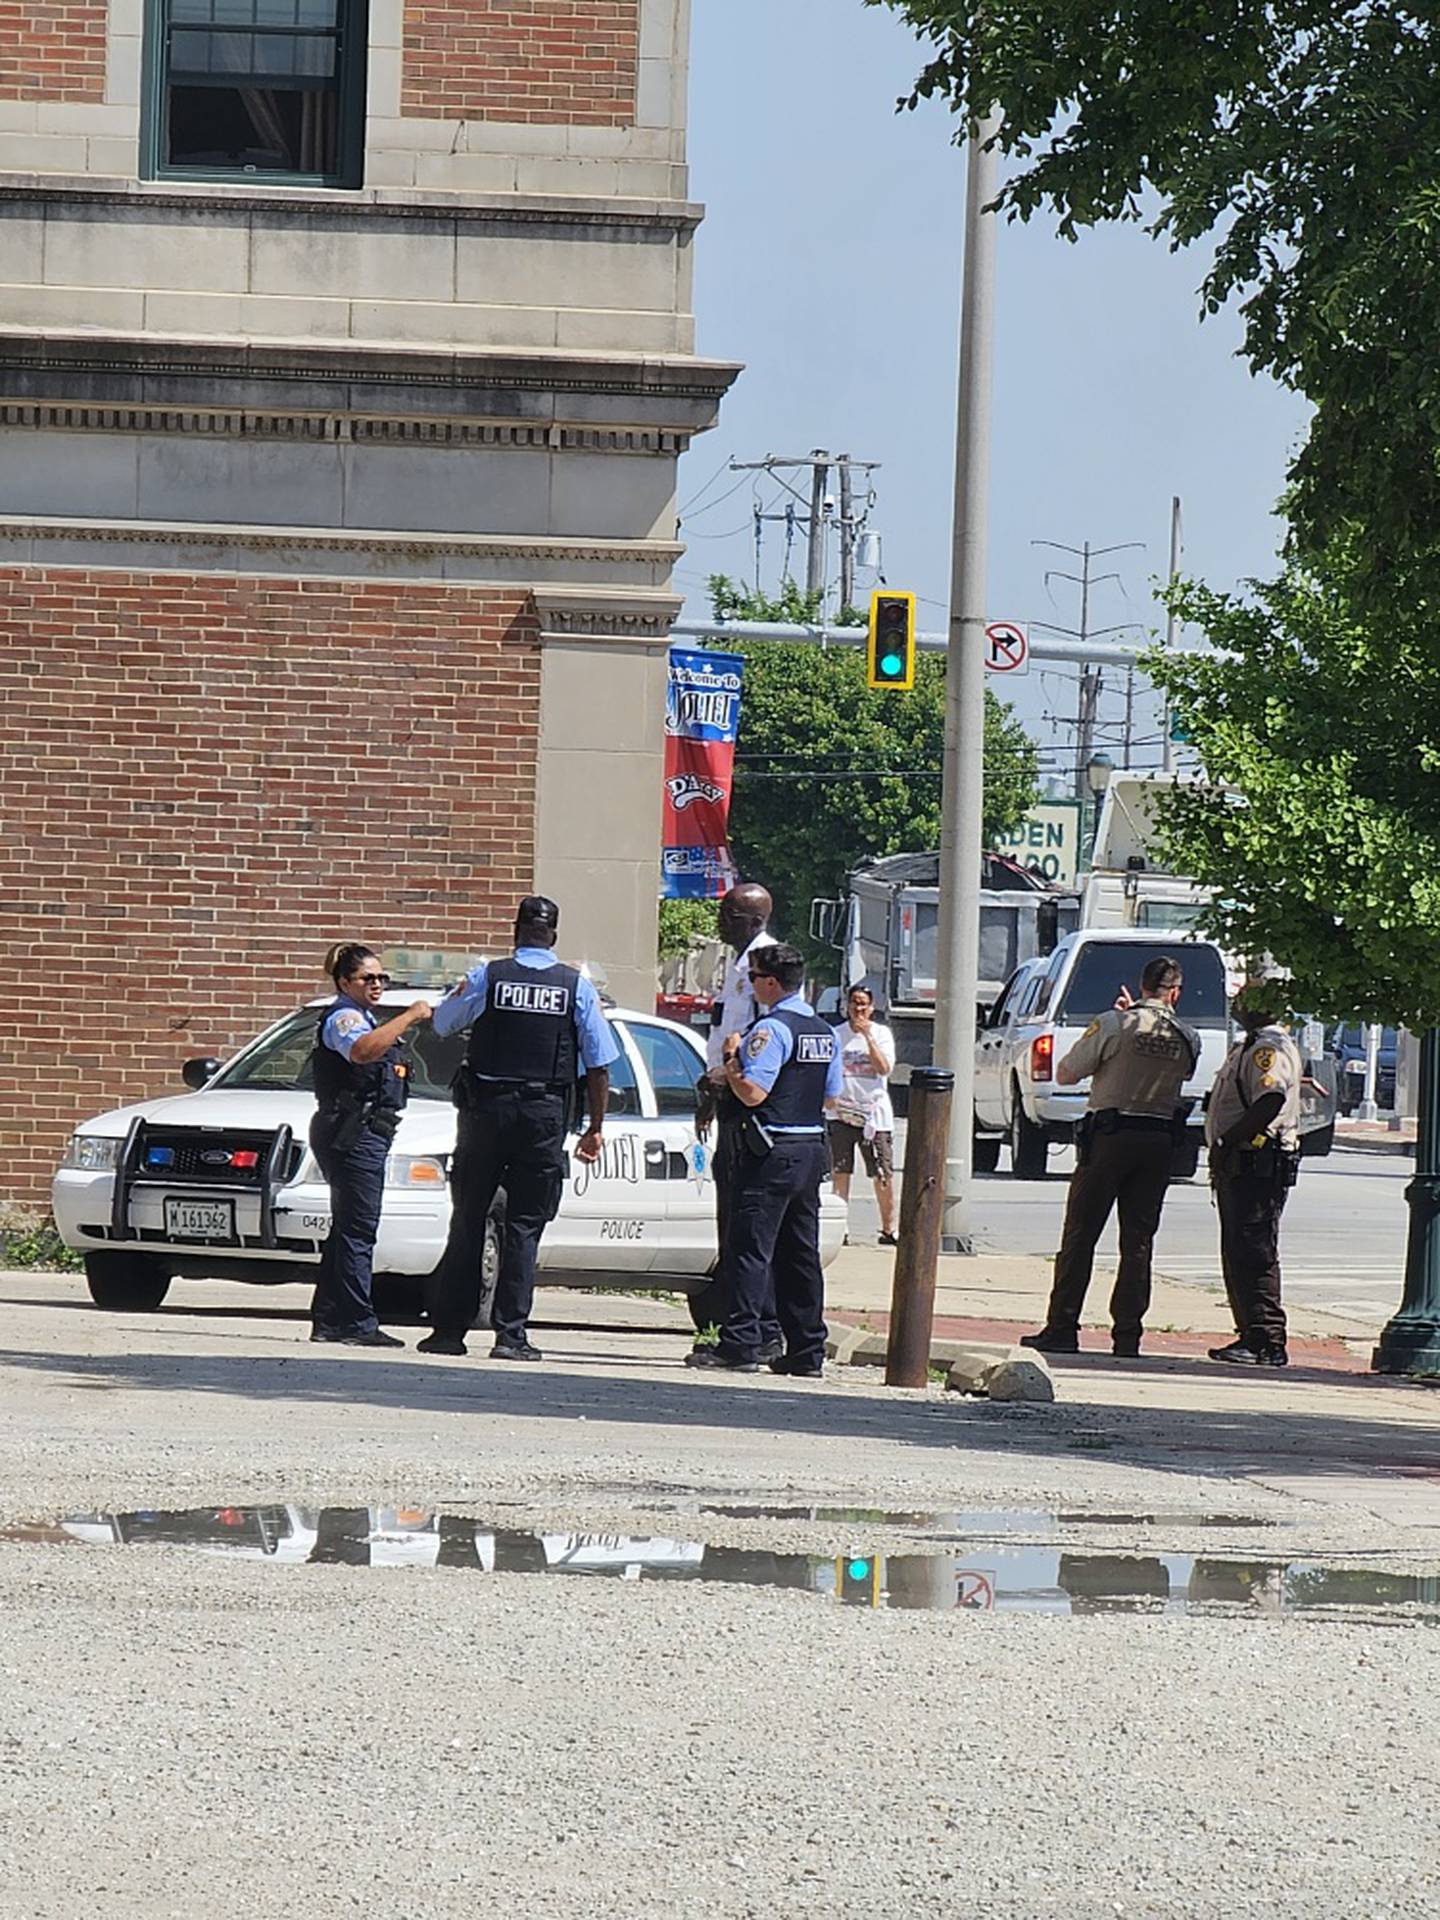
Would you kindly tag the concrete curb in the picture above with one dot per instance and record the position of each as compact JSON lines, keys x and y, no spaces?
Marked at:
{"x":855,"y":1347}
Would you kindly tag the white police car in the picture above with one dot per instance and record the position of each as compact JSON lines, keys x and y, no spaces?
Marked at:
{"x":220,"y":1182}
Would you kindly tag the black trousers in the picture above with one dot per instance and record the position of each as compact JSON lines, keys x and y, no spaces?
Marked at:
{"x":723,"y":1170}
{"x":515,"y":1139}
{"x":774,"y":1257}
{"x":342,"y":1302}
{"x":1250,"y":1208}
{"x":1128,"y":1169}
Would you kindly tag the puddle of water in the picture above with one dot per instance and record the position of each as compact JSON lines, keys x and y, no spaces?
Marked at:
{"x":985,"y":1576}
{"x":980,"y":1520}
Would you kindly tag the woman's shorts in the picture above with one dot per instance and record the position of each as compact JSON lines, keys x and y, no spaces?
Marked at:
{"x":878,"y":1154}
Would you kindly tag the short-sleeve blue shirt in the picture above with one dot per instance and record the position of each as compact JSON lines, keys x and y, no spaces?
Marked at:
{"x":344,"y":1027}
{"x":770,"y":1043}
{"x":597,"y":1043}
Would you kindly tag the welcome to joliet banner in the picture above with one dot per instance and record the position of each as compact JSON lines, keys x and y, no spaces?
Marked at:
{"x":702,"y":718}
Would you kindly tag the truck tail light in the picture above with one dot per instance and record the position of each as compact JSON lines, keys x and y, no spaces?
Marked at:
{"x":1042,"y":1056}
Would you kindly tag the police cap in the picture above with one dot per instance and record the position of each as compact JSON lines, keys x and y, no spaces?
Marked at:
{"x":536,"y":911}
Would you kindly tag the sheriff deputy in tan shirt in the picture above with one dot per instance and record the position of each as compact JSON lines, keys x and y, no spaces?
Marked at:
{"x":1252,"y":1128}
{"x":1139,"y":1057}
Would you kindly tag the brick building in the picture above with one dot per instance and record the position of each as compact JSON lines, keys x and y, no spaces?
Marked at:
{"x":345,"y":359}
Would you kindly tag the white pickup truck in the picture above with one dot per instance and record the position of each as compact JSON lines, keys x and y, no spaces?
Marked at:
{"x":1045,"y":1007}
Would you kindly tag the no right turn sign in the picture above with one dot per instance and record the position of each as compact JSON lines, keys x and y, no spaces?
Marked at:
{"x":1007,"y":647}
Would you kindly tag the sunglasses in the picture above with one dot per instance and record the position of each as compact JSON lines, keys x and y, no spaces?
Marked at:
{"x":373,"y":979}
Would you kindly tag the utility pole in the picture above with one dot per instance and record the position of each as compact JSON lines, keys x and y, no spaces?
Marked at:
{"x":1170,"y":623}
{"x":847,"y":533}
{"x":817,"y":525}
{"x":962,"y":801}
{"x":1088,"y":705}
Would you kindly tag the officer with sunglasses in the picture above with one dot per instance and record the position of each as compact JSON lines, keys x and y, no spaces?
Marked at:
{"x":361,"y":1080}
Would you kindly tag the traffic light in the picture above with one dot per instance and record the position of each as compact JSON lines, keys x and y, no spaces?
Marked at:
{"x":857,"y":1580}
{"x":890,"y":655}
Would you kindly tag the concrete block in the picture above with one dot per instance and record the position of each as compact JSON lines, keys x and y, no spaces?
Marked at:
{"x":647,"y":179}
{"x":613,"y":496}
{"x":241,"y":480}
{"x":17,"y":116}
{"x":969,"y":1371}
{"x":654,"y":97}
{"x":68,"y":473}
{"x":244,"y":317}
{"x":116,"y":158}
{"x":122,"y":70}
{"x":474,"y":490}
{"x":352,"y":261}
{"x":413,"y":136}
{"x":566,"y":173}
{"x":613,"y":331}
{"x":94,"y":121}
{"x":383,"y":82}
{"x":143,"y":247}
{"x":32,"y":153}
{"x":388,"y":167}
{"x":466,"y":172}
{"x":841,"y":1343}
{"x":629,"y":270}
{"x":442,"y":323}
{"x":387,"y":24}
{"x":73,"y":309}
{"x":608,"y":906}
{"x":127,"y":19}
{"x":22,"y":249}
{"x":627,"y":827}
{"x":597,"y":700}
{"x":1022,"y":1375}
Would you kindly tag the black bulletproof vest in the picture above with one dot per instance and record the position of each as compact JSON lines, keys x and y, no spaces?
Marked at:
{"x":383,"y":1085}
{"x":528,"y":1028}
{"x":797,"y":1098}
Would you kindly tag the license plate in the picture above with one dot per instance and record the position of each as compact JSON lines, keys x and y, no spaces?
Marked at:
{"x":200,"y":1219}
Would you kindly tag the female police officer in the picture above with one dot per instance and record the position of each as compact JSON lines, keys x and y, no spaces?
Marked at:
{"x":360,"y":1079}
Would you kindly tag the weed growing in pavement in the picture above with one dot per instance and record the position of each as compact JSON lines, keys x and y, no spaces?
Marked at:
{"x":30,"y":1240}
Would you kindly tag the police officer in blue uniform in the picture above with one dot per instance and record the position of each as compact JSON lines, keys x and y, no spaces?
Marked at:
{"x":361,"y":1080}
{"x":783,"y":1071}
{"x":533,"y":1024}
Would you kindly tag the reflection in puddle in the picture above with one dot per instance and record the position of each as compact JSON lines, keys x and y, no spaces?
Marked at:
{"x":985,"y":1576}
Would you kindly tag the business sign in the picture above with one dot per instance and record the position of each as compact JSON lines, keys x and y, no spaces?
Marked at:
{"x":1046,"y":842}
{"x":1007,"y":647}
{"x":702,"y":719}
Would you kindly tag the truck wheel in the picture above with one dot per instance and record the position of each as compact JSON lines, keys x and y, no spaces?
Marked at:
{"x":1029,"y":1148}
{"x":985,"y":1152}
{"x":126,"y":1282}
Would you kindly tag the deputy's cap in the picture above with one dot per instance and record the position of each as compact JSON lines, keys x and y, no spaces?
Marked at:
{"x":536,"y":911}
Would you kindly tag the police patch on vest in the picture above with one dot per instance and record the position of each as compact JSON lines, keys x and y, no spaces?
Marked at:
{"x":757,"y":1043}
{"x":815,"y":1049}
{"x":519,"y":996}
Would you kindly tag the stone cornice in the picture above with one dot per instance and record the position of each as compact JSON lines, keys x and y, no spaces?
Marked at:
{"x":324,"y":541}
{"x":603,"y":616}
{"x":276,"y":204}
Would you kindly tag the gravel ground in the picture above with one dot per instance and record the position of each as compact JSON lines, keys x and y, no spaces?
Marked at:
{"x":183,"y":1734}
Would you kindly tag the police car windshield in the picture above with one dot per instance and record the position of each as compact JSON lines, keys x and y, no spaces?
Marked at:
{"x":1101,"y":970}
{"x":280,"y":1062}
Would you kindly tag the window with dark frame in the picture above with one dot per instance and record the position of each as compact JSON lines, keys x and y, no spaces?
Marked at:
{"x":272,"y":89}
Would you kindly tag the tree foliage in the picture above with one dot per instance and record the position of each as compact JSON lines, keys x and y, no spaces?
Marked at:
{"x":684,"y":924}
{"x":830,"y":772}
{"x":1304,"y":140}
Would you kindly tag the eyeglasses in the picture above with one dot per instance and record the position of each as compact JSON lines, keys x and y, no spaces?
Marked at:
{"x":374,"y":979}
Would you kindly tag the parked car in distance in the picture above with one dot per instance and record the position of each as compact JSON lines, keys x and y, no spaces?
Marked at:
{"x":1042,"y":1011}
{"x":1348,"y":1046}
{"x":220,"y":1182}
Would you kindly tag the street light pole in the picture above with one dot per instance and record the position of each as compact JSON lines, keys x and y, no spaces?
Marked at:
{"x":963,"y":790}
{"x":1410,"y":1342}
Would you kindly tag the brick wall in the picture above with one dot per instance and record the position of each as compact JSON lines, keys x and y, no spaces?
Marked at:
{"x":571,"y":62}
{"x":204,"y":781}
{"x":52,"y":49}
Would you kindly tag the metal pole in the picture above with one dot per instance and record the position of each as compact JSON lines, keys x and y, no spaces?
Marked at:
{"x":922,"y":1201}
{"x":847,"y":534}
{"x":1369,"y":1108}
{"x":1170,"y":624}
{"x":1411,"y":1341}
{"x":815,"y":554}
{"x":963,"y":780}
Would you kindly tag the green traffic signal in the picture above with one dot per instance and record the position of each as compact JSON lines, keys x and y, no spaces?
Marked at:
{"x":890,"y":653}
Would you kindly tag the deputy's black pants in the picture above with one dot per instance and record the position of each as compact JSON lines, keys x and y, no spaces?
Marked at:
{"x":1128,"y":1169}
{"x":724,"y":1168}
{"x":515,"y":1139}
{"x":342,"y":1302}
{"x":775,"y":1251}
{"x":1250,"y":1210}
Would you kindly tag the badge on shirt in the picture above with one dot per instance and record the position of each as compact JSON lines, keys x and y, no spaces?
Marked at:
{"x":1264,"y":1059}
{"x":350,"y":1023}
{"x":757,"y":1043}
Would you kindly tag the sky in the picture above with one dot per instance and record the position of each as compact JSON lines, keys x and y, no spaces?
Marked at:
{"x":829,"y":263}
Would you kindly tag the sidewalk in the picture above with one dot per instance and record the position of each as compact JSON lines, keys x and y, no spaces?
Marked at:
{"x":998,"y":1296}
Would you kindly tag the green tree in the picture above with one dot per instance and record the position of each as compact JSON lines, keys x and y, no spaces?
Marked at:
{"x":830,"y":772}
{"x":1302,"y":139}
{"x":684,"y":923}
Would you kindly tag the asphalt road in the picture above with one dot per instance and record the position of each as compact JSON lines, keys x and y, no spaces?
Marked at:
{"x":1344,"y":1236}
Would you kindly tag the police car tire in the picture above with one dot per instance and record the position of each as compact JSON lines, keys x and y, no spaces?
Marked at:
{"x":490,"y":1266}
{"x":985,"y":1152}
{"x":1029,"y":1148}
{"x":126,"y":1282}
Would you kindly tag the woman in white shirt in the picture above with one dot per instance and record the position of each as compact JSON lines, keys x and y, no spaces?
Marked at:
{"x":861,"y":1114}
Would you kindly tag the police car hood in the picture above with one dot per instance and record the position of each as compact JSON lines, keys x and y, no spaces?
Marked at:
{"x":428,"y":1126}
